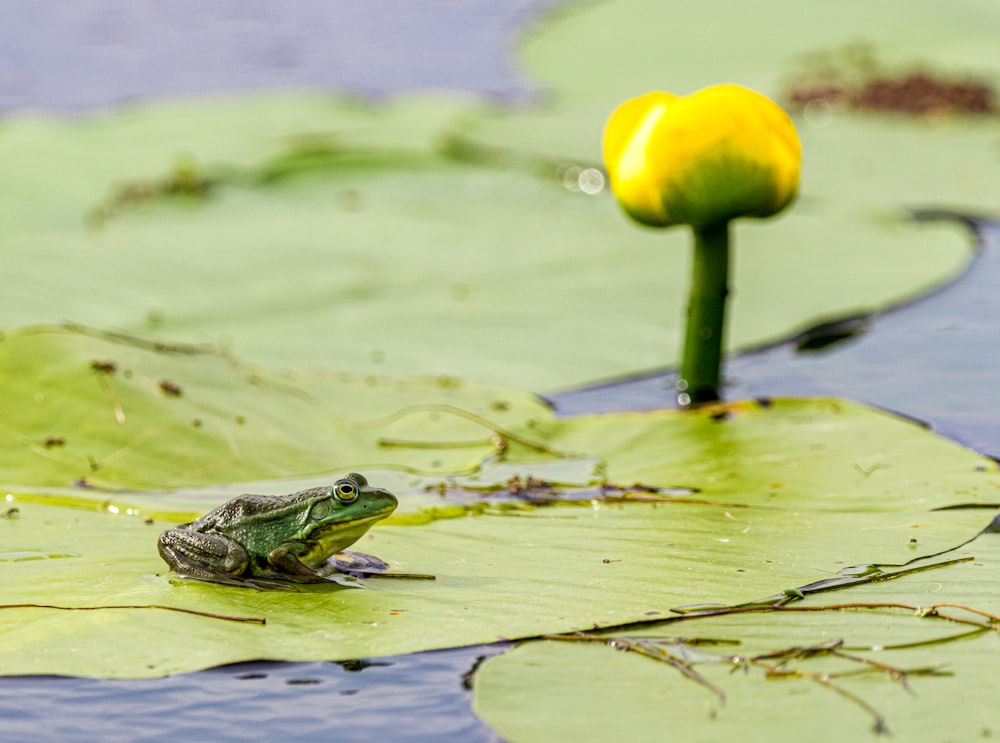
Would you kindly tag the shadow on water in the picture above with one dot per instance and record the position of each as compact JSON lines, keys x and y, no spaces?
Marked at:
{"x":932,"y":359}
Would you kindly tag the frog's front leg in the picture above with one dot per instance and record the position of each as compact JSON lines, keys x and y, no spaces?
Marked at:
{"x":285,"y":560}
{"x":209,"y":557}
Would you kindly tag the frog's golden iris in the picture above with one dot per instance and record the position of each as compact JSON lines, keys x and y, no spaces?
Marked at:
{"x":723,"y":152}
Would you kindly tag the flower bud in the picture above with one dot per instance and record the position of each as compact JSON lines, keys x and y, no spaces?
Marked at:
{"x":722,"y":152}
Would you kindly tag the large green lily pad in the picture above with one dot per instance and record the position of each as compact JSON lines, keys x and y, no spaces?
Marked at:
{"x":760,"y":497}
{"x":114,"y":411}
{"x":560,"y":569}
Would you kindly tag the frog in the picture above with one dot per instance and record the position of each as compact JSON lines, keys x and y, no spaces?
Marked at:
{"x":272,"y":541}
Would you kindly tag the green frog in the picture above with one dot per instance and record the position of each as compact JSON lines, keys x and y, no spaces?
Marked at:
{"x":253,"y":538}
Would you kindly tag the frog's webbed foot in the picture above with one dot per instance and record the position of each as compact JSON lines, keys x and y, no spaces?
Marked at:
{"x":262,"y":584}
{"x":257,"y":584}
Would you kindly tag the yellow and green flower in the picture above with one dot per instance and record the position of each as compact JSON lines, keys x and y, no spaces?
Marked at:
{"x":703,"y":160}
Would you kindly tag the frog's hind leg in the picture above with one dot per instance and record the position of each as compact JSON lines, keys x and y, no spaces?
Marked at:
{"x":204,"y":557}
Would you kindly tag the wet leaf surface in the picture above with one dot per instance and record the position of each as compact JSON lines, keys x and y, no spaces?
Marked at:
{"x":779,"y":491}
{"x":856,"y":671}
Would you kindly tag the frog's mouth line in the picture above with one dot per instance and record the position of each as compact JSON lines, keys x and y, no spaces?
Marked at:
{"x":352,"y":527}
{"x":365,"y":521}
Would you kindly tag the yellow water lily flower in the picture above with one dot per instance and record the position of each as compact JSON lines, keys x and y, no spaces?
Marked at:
{"x":722,"y":152}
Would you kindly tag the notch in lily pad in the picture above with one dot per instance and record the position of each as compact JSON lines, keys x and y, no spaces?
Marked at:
{"x":702,"y":160}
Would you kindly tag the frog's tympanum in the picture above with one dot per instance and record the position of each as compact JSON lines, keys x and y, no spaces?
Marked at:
{"x":253,"y":538}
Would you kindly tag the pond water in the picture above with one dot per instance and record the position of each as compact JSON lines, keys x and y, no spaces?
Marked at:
{"x":924,"y":360}
{"x":406,"y":698}
{"x":77,"y":56}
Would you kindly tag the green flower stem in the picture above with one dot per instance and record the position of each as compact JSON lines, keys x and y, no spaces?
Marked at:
{"x":706,"y":317}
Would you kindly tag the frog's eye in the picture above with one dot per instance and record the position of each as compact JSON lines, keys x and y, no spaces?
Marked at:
{"x":346,"y":491}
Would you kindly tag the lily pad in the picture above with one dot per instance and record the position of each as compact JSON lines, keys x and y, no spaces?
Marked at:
{"x":110,"y":410}
{"x":743,"y":501}
{"x":309,"y":232}
{"x":947,"y":690}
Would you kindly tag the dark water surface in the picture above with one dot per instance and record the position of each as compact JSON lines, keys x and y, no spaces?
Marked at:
{"x":926,"y":360}
{"x":407,"y":698}
{"x":70,"y":56}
